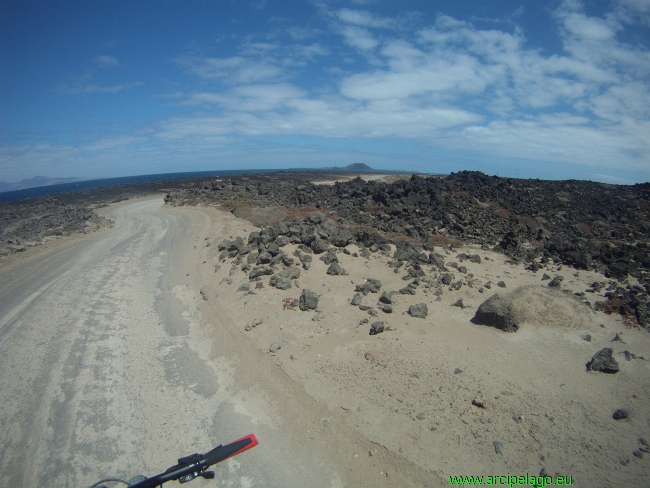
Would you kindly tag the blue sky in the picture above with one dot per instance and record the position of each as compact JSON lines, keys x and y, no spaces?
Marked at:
{"x":547,"y":89}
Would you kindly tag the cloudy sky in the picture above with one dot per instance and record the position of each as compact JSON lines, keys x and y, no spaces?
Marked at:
{"x":545,"y":89}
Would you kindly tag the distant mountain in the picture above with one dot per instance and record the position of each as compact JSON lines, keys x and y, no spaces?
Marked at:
{"x":33,"y":182}
{"x":358,"y":166}
{"x":349,"y":167}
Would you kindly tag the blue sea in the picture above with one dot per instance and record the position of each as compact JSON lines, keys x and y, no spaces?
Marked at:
{"x":41,"y":191}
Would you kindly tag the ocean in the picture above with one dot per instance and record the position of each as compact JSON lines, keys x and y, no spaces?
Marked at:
{"x":40,"y":191}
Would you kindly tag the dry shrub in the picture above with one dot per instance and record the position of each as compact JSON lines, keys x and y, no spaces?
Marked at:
{"x":546,"y":307}
{"x":398,"y":236}
{"x":461,"y":193}
{"x":528,"y":223}
{"x":259,"y":285}
{"x":609,"y":306}
{"x":361,"y":227}
{"x":289,"y":303}
{"x":443,"y":240}
{"x":511,"y":261}
{"x":375,"y":208}
{"x":629,"y":321}
{"x":503,"y":213}
{"x":584,"y":228}
{"x":606,"y":227}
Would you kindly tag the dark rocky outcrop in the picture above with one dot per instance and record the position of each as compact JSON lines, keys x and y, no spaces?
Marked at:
{"x":495,"y":313}
{"x":308,"y":300}
{"x":603,"y":362}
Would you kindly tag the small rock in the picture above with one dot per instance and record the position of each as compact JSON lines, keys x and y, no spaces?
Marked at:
{"x":204,"y":294}
{"x":603,"y":362}
{"x":275,"y":347}
{"x":387,"y":309}
{"x":293,"y":358}
{"x":308,"y":300}
{"x":334,"y":269}
{"x":419,"y":310}
{"x":256,"y":322}
{"x":498,"y":447}
{"x":621,"y":413}
{"x":420,"y":416}
{"x":556,"y":282}
{"x":407,"y":291}
{"x":356,"y":299}
{"x":587,"y":338}
{"x":638,"y":454}
{"x":248,"y":327}
{"x":617,"y":338}
{"x":244,"y":287}
{"x":376,"y":328}
{"x":458,"y":371}
{"x":545,"y":277}
{"x":501,"y":284}
{"x":458,"y":303}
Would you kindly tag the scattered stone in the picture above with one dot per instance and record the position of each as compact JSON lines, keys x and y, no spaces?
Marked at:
{"x":387,"y":309}
{"x":501,"y":284}
{"x":371,"y":285}
{"x":419,"y":310}
{"x":319,"y":246}
{"x":498,"y":447}
{"x":587,"y":337}
{"x":308,"y":300}
{"x":545,"y":277}
{"x":293,"y":358}
{"x":356,"y":299}
{"x":556,"y":282}
{"x":260,"y":271}
{"x":256,"y":322}
{"x":617,"y":338}
{"x":621,"y":413}
{"x":458,"y":371}
{"x":458,"y":303}
{"x":334,"y":269}
{"x":204,"y":294}
{"x":447,"y":278}
{"x":275,"y":347}
{"x":376,"y":328}
{"x":494,"y":313}
{"x":603,"y":362}
{"x":488,"y":285}
{"x":407,"y":290}
{"x":386,"y":297}
{"x":421,"y":416}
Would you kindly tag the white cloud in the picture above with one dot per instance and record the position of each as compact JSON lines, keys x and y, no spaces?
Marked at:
{"x":363,"y":18}
{"x":359,"y":38}
{"x":107,"y":62}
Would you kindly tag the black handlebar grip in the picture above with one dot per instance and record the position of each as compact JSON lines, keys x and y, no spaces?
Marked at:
{"x":222,"y":453}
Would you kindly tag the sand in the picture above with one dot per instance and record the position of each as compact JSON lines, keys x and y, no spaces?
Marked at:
{"x":441,"y":391}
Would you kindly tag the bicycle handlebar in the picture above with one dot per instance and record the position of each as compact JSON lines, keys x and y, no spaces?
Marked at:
{"x":194,"y":465}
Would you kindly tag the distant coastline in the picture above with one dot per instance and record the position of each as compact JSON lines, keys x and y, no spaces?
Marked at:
{"x":77,"y":185}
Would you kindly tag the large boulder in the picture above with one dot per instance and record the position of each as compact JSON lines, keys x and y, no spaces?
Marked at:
{"x":419,"y":310}
{"x":308,"y":300}
{"x":603,"y":362}
{"x":495,"y":313}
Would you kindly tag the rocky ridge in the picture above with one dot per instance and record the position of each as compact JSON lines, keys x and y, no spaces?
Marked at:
{"x":26,"y":224}
{"x":582,"y":224}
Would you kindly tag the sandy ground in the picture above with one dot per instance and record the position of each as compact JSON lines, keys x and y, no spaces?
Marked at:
{"x":113,"y":364}
{"x":410,"y":389}
{"x":343,"y":178}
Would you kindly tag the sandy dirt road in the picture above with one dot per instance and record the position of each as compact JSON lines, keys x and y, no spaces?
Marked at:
{"x":112,"y":365}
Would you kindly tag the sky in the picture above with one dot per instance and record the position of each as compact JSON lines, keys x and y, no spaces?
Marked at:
{"x":545,"y":89}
